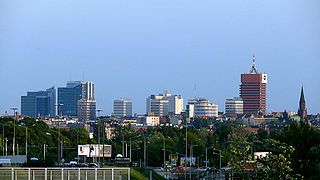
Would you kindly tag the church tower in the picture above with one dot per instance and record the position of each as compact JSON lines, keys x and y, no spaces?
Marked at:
{"x":302,"y":112}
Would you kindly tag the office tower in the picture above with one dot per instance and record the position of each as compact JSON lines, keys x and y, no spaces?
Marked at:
{"x":175,"y":104}
{"x":87,"y":90}
{"x":302,"y":112}
{"x":202,"y":108}
{"x":234,"y":106}
{"x":77,"y":100}
{"x":68,"y":98}
{"x":40,"y":103}
{"x":253,"y":91}
{"x":87,"y":103}
{"x":86,"y":110}
{"x":162,"y":104}
{"x":122,"y":108}
{"x":190,"y":107}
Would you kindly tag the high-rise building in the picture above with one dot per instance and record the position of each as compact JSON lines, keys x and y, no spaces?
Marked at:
{"x":175,"y":104}
{"x":122,"y":108}
{"x":302,"y":112}
{"x":40,"y":103}
{"x":87,"y":110}
{"x":234,"y":106}
{"x":202,"y":108}
{"x":162,"y":104}
{"x":87,"y":103}
{"x":253,"y":91}
{"x":77,"y":100}
{"x":68,"y":98}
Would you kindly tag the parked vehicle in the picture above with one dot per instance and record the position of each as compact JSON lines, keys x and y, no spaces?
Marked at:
{"x":158,"y":169}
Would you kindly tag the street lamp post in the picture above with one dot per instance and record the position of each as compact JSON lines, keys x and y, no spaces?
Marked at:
{"x":144,"y":152}
{"x":44,"y":152}
{"x":2,"y":139}
{"x":137,"y":149}
{"x":130,"y":146}
{"x":191,"y":156}
{"x":26,"y":141}
{"x":220,"y":156}
{"x":185,"y":173}
{"x":191,"y":152}
{"x":14,"y":130}
{"x":164,"y":154}
{"x":99,"y":126}
{"x":207,"y":155}
{"x":6,"y":146}
{"x":59,"y":105}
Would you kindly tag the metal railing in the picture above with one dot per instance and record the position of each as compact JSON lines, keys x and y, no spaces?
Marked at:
{"x":65,"y":173}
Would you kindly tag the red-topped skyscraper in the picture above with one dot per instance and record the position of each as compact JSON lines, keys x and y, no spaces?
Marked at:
{"x":253,"y":91}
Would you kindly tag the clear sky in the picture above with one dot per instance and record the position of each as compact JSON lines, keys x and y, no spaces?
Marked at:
{"x":135,"y":48}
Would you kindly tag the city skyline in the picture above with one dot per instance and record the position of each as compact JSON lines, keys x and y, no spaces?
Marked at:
{"x":140,"y":48}
{"x":165,"y":91}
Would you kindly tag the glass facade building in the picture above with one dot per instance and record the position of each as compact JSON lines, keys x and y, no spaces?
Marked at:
{"x":39,"y":104}
{"x":68,"y":98}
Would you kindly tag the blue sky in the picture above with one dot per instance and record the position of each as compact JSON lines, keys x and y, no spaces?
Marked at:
{"x":136,"y":48}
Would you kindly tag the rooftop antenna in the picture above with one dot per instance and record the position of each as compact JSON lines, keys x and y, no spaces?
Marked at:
{"x":70,"y":77}
{"x":253,"y":68}
{"x":83,"y":76}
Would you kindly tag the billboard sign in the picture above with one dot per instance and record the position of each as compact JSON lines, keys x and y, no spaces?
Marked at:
{"x":188,"y":160}
{"x":95,"y":150}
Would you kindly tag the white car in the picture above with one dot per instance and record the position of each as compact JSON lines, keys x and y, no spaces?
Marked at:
{"x":73,"y":163}
{"x":158,"y":169}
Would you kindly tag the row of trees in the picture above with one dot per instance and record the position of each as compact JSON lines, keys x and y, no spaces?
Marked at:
{"x":40,"y":137}
{"x":295,"y":150}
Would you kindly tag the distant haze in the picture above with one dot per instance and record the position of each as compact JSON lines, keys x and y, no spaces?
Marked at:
{"x":135,"y":48}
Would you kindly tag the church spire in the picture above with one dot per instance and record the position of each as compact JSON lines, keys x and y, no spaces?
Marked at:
{"x":302,"y":96}
{"x":302,"y":106}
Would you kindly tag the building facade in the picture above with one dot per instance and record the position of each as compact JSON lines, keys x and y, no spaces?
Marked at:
{"x":202,"y":108}
{"x":86,"y":106}
{"x":152,"y":120}
{"x":77,"y":100}
{"x":175,"y":104}
{"x":86,"y":110}
{"x":68,"y":98}
{"x":122,"y":108}
{"x":39,"y":104}
{"x":162,"y":104}
{"x":253,"y":91}
{"x":234,"y":107}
